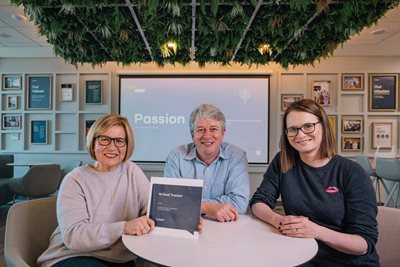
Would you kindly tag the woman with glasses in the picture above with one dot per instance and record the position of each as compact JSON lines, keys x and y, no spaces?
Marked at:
{"x":97,"y":203}
{"x":325,"y":196}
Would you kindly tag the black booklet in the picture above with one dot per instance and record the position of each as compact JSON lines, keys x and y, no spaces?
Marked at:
{"x":174,"y":205}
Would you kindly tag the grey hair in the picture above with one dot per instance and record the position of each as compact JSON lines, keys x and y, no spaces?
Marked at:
{"x":208,"y":111}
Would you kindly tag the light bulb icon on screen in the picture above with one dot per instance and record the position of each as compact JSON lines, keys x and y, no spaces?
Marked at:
{"x":244,"y":94}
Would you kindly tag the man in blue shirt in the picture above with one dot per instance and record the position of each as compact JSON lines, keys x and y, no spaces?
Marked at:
{"x":223,"y":167}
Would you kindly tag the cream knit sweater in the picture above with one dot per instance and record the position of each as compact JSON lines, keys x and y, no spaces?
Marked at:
{"x":92,"y":208}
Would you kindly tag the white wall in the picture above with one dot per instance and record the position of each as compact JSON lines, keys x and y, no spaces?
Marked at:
{"x":328,"y":66}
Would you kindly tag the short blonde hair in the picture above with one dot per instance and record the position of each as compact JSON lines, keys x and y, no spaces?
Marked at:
{"x":102,"y":124}
{"x":289,"y":155}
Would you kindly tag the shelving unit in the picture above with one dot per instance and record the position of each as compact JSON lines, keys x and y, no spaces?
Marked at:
{"x":345,"y":104}
{"x":65,"y":119}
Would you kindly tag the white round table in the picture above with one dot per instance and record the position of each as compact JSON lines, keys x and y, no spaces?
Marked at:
{"x":246,"y":242}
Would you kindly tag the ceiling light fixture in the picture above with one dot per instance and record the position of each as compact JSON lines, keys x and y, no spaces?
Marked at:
{"x":263,"y":48}
{"x":168,"y":49}
{"x":171,"y":45}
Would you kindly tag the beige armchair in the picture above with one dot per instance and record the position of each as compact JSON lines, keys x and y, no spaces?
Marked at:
{"x":28,"y":229}
{"x":388,"y":245}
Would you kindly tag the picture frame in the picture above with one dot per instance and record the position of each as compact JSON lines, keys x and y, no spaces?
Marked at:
{"x":333,"y":122}
{"x":12,"y":82}
{"x":287,"y":99}
{"x":67,"y":92}
{"x":12,"y":102}
{"x":352,"y":82}
{"x":94,"y":92}
{"x":352,"y":125}
{"x":383,"y":91}
{"x":39,"y":92}
{"x":382,"y":134}
{"x":39,"y":132}
{"x":322,"y":92}
{"x":11,"y":122}
{"x":352,"y":143}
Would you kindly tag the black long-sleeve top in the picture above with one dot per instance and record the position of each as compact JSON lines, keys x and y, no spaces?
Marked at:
{"x":339,"y":196}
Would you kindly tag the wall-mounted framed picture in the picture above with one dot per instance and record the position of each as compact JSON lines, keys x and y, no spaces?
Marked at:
{"x":39,"y":132}
{"x":12,"y":122}
{"x":352,"y":81}
{"x":322,"y":92}
{"x":39,"y":92}
{"x":287,"y":99}
{"x":94,"y":92}
{"x":382,"y":134}
{"x":332,"y":121}
{"x":12,"y":102}
{"x":12,"y":82}
{"x":351,"y":143}
{"x":383,"y":92}
{"x":67,"y":92}
{"x":352,"y":125}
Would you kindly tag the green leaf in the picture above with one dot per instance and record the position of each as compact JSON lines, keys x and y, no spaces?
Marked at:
{"x":214,"y":7}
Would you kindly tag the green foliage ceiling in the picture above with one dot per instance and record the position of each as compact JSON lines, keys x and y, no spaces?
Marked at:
{"x":129,"y":31}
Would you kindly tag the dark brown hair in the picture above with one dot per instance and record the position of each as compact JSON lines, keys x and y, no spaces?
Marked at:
{"x":289,"y":155}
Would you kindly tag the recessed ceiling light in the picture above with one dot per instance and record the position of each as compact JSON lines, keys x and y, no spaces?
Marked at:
{"x":19,"y":17}
{"x":263,"y":48}
{"x":378,"y":31}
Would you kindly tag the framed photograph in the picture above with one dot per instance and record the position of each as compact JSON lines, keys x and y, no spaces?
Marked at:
{"x":39,"y":92}
{"x":12,"y":82}
{"x":39,"y":132}
{"x":332,"y":121}
{"x":287,"y":99}
{"x":11,"y":122}
{"x":94,"y":92}
{"x":12,"y":102}
{"x":322,"y":92}
{"x":353,"y":81}
{"x":382,"y":134}
{"x":351,"y":144}
{"x":383,"y":92}
{"x":67,"y":92}
{"x":352,"y":125}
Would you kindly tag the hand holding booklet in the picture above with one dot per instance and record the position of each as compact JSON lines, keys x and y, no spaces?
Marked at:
{"x":174,"y":205}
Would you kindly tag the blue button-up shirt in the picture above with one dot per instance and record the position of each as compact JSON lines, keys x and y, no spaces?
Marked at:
{"x":225,"y":180}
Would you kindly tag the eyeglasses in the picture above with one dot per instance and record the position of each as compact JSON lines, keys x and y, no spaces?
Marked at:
{"x":106,"y":140}
{"x":306,"y":128}
{"x":201,"y":131}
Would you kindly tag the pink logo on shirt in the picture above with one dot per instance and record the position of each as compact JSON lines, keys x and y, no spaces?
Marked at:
{"x":332,"y":189}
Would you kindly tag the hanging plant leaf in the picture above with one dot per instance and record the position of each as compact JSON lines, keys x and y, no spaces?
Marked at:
{"x":297,"y":31}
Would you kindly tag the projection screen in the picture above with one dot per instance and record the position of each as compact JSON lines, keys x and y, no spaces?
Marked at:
{"x":158,"y":108}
